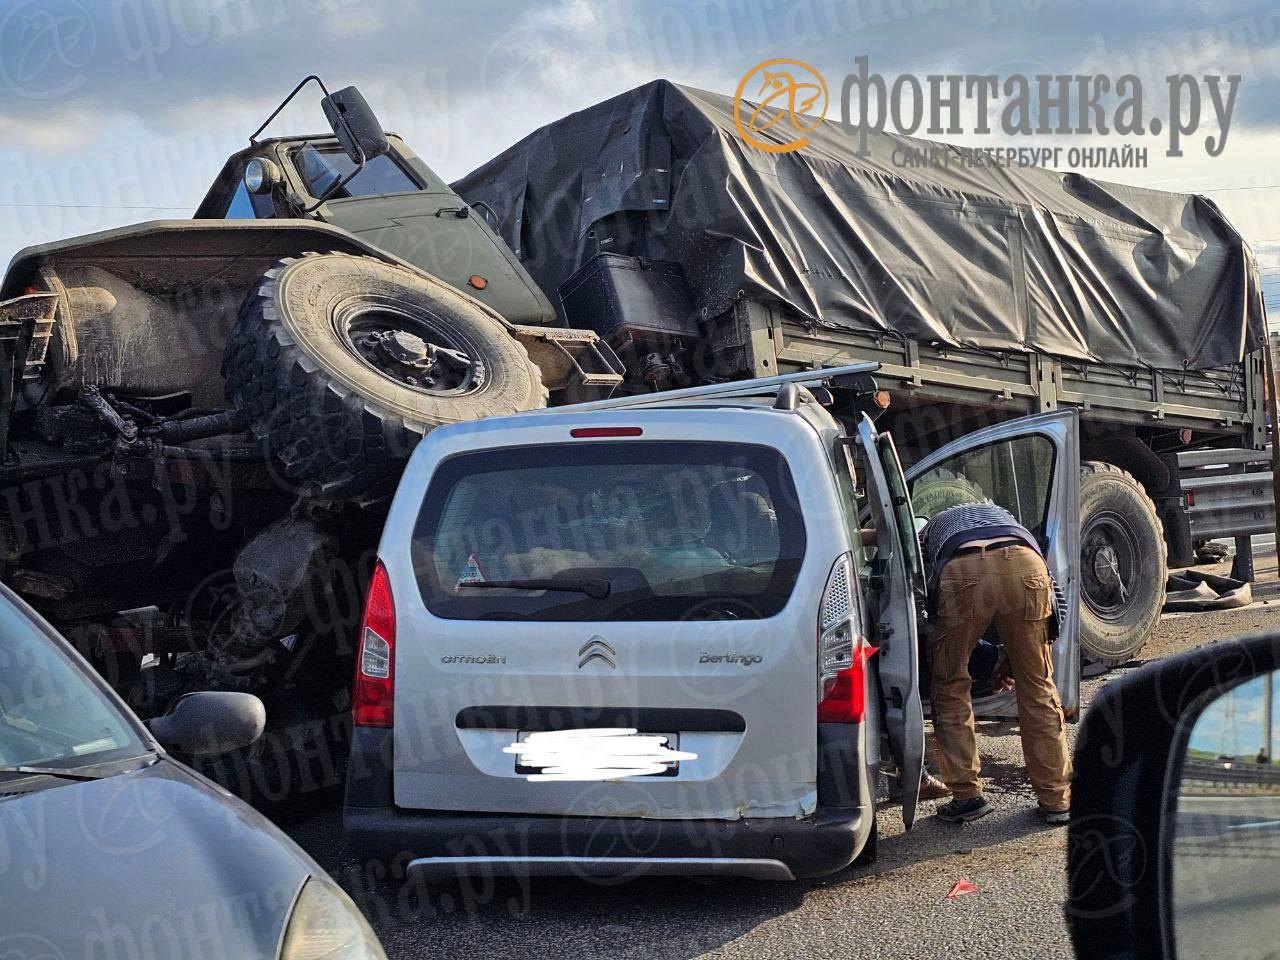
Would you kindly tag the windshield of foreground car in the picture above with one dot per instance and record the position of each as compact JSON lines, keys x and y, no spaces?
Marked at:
{"x":51,"y":714}
{"x":636,"y":530}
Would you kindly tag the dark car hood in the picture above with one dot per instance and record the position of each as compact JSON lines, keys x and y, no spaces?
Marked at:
{"x":155,"y":857}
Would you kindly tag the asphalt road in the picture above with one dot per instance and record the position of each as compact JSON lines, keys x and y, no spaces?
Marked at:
{"x":895,"y":908}
{"x":1225,"y":882}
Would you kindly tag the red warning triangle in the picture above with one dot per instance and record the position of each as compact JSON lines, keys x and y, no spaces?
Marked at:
{"x":962,"y":886}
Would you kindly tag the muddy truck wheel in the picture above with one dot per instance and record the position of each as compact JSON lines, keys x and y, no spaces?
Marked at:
{"x":1122,"y":564}
{"x":343,"y":363}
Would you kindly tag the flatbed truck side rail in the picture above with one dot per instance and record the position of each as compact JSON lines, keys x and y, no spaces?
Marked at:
{"x":1227,"y":402}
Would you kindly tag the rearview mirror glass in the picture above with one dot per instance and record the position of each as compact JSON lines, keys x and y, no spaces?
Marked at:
{"x":361,"y":133}
{"x":1226,"y":836}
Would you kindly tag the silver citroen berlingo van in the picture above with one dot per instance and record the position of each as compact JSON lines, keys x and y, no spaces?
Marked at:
{"x":643,"y":635}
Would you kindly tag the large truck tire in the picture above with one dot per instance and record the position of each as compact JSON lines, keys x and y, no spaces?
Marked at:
{"x":942,"y":491}
{"x":344,"y":363}
{"x":1122,"y":564}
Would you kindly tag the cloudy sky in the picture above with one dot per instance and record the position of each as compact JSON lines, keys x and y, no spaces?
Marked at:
{"x":113,"y":111}
{"x":1233,"y":724}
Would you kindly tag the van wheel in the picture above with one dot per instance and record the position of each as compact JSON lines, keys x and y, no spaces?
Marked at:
{"x":867,"y":855}
{"x":343,"y":363}
{"x":1123,"y":564}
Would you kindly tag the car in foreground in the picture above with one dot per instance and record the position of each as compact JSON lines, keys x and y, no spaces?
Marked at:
{"x":644,"y":636}
{"x":113,"y":848}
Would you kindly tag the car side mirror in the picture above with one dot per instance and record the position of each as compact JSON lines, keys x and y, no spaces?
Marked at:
{"x":355,"y":125}
{"x":210,"y":721}
{"x":1175,"y":811}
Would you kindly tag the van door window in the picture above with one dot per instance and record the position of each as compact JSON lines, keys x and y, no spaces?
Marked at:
{"x":852,"y":500}
{"x":900,"y":496}
{"x":1014,"y":473}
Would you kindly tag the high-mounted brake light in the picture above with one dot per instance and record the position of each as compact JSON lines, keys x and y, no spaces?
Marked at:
{"x":843,"y":652}
{"x":374,"y":691}
{"x":583,"y":433}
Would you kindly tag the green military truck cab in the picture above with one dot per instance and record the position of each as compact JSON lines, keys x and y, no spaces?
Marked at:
{"x":396,"y":203}
{"x":202,"y":421}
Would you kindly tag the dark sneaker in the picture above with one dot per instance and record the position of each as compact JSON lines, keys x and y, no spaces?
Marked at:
{"x":931,"y":788}
{"x":963,"y":811}
{"x":1054,"y":817}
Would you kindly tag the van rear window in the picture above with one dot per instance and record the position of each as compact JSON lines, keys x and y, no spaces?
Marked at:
{"x":637,"y":530}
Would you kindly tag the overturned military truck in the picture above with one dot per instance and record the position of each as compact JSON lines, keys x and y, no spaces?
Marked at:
{"x":202,"y":421}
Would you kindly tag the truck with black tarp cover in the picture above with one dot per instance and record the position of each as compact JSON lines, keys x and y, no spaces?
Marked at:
{"x":985,"y":291}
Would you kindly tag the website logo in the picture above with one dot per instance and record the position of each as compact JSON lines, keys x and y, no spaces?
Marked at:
{"x":790,"y":103}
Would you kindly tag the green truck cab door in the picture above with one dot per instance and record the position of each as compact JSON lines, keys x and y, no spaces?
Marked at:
{"x":398,"y":204}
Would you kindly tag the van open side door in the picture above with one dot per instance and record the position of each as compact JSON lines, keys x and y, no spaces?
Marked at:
{"x":893,"y":578}
{"x":1031,"y":467}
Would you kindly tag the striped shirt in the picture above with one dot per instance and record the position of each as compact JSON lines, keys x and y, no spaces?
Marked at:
{"x":951,"y":529}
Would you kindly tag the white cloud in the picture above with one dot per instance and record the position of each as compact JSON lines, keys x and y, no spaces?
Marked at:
{"x":62,"y":130}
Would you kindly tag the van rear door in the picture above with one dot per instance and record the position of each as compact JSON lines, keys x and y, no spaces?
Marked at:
{"x":892,"y":576}
{"x":657,"y":570}
{"x":1031,"y":467}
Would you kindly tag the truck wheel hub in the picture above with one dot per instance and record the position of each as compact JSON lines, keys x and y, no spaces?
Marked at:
{"x":410,"y":349}
{"x":400,"y":346}
{"x":1111,"y":565}
{"x":1106,"y":567}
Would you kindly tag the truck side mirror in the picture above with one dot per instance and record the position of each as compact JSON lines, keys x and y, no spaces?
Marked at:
{"x":355,"y":125}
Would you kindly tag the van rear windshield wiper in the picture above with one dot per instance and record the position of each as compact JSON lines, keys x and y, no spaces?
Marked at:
{"x":596,"y":589}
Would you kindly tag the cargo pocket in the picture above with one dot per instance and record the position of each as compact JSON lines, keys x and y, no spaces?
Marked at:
{"x":955,"y":598}
{"x":1039,"y":603}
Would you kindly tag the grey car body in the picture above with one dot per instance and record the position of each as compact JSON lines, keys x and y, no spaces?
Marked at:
{"x":150,"y":859}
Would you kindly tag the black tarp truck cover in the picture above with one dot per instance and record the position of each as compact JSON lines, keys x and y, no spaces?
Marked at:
{"x":994,"y":257}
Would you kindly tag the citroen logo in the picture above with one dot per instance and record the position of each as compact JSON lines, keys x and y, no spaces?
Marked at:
{"x":597,"y":649}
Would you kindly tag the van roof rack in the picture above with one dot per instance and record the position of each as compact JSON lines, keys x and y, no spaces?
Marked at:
{"x":855,"y":377}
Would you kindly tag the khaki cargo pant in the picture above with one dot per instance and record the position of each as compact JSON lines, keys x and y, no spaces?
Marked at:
{"x":1010,"y":586}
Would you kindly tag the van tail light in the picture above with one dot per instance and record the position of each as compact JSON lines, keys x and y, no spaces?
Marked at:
{"x":842,"y":649}
{"x":374,"y":691}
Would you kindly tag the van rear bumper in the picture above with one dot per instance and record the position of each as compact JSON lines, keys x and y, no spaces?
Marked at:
{"x":446,"y":844}
{"x":441,"y":845}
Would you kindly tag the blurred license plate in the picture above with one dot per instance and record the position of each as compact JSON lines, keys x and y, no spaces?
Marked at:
{"x":673,"y":743}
